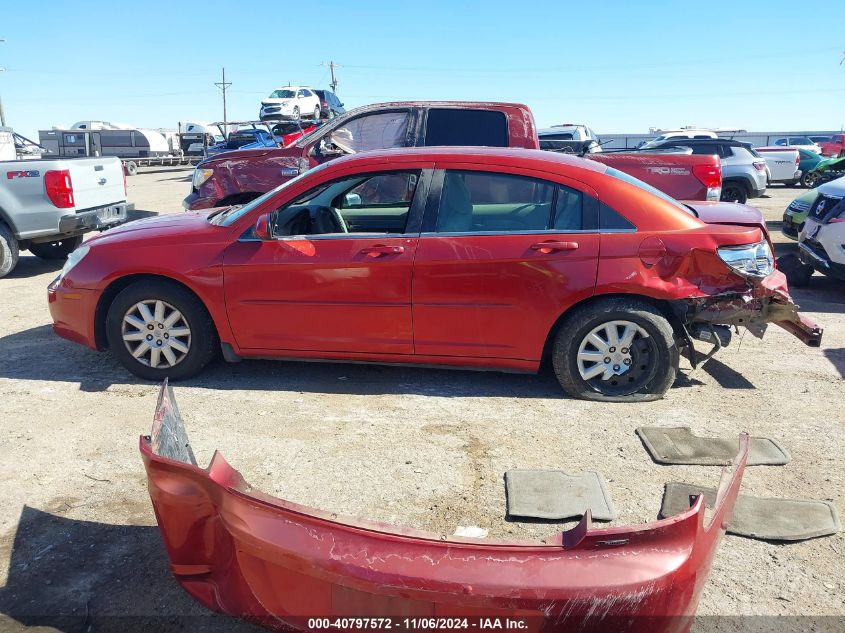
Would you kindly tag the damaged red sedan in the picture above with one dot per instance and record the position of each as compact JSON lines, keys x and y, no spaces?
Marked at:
{"x":485,"y":258}
{"x":245,"y":553}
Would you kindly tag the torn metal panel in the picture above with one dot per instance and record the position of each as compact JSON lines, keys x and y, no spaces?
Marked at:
{"x":248,"y":554}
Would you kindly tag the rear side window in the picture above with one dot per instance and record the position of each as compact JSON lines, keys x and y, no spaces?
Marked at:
{"x":451,"y":126}
{"x":474,"y":201}
{"x":704,"y":148}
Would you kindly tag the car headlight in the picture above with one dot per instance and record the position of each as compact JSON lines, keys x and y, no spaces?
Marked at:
{"x":200,"y":176}
{"x":750,"y":260}
{"x":72,"y":260}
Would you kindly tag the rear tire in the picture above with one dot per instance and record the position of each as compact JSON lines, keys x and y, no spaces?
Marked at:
{"x":201,"y":341}
{"x":734,"y":192}
{"x":9,"y":250}
{"x":317,"y":113}
{"x":131,"y":168}
{"x":59,"y":249}
{"x":652,"y":359}
{"x":810,"y":179}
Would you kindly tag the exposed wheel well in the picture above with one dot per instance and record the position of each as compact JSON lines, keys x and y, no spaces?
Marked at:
{"x":664,"y":306}
{"x":238,"y":198}
{"x":113,"y":289}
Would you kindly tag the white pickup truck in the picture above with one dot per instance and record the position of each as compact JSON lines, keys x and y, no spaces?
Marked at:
{"x":47,"y":205}
{"x":782,"y":164}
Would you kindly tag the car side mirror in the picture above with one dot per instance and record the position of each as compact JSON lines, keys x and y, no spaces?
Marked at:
{"x":262,"y":227}
{"x":352,"y":200}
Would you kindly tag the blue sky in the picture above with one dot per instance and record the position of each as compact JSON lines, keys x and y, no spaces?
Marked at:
{"x":617,"y":66}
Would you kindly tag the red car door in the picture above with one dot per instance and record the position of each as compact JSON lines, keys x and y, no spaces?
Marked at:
{"x":336,"y":277}
{"x":500,"y":257}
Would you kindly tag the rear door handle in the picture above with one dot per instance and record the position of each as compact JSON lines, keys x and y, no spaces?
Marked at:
{"x":378,"y":250}
{"x":552,"y":246}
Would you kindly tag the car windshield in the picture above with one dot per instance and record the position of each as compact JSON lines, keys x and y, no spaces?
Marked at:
{"x":227,"y":217}
{"x":282,"y":94}
{"x":639,"y":183}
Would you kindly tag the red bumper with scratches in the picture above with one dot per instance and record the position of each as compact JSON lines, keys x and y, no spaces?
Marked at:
{"x":242,"y":552}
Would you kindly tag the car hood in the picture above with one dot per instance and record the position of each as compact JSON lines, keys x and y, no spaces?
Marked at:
{"x":727,"y":213}
{"x":834,"y":187}
{"x":275,"y":101}
{"x":169,"y":225}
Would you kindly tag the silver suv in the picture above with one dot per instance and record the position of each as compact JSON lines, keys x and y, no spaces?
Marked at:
{"x":744,"y":172}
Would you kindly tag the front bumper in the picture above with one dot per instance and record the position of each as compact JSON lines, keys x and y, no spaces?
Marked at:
{"x":195,"y":202}
{"x":72,"y":311}
{"x":766,"y":301}
{"x":813,"y":253}
{"x":93,"y":219}
{"x":245,"y":553}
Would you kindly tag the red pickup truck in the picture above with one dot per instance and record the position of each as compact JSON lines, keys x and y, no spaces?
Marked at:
{"x":237,"y":177}
{"x":834,"y":146}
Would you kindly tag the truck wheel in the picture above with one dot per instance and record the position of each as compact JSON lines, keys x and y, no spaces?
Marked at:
{"x":616,"y":350}
{"x":734,"y":192}
{"x":56,"y":250}
{"x":159,"y":329}
{"x":8,"y":250}
{"x":131,"y":168}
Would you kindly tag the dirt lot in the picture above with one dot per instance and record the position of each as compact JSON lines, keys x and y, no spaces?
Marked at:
{"x":419,"y":447}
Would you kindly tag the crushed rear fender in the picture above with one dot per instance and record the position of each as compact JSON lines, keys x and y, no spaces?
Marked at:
{"x":248,"y":554}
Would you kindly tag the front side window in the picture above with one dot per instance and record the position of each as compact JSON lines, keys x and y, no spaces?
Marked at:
{"x":384,"y":130}
{"x":369,"y":203}
{"x":484,"y":202}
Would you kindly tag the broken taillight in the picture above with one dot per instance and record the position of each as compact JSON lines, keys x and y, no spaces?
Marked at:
{"x":59,"y":188}
{"x":709,"y":175}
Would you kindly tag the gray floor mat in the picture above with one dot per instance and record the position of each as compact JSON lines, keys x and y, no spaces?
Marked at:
{"x":678,"y":445}
{"x":554,"y":494}
{"x":761,"y":518}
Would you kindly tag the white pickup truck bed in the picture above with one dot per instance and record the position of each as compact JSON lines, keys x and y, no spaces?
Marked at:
{"x":47,"y":205}
{"x":782,"y":163}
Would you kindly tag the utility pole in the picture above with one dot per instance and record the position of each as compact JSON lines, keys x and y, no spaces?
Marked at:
{"x":333,"y":83}
{"x":223,"y":85}
{"x":2,"y":115}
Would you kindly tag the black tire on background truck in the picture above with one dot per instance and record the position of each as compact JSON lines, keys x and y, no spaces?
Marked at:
{"x":59,"y":249}
{"x":8,"y":250}
{"x":616,"y":350}
{"x":130,"y":167}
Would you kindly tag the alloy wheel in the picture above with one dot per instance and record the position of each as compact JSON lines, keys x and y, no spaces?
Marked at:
{"x":616,"y":357}
{"x":156,"y":334}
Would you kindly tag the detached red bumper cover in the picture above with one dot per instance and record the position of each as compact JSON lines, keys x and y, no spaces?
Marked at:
{"x":242,"y":552}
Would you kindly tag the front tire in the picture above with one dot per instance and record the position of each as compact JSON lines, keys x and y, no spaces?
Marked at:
{"x":159,"y":329}
{"x":296,"y":112}
{"x":616,"y":350}
{"x":59,"y":249}
{"x":810,"y":179}
{"x":317,"y":113}
{"x":9,"y":250}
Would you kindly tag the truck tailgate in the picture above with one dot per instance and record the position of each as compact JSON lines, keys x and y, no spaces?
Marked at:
{"x":673,"y":174}
{"x":97,"y":182}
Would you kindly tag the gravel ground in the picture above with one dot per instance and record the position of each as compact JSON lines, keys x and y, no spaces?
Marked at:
{"x":419,"y":447}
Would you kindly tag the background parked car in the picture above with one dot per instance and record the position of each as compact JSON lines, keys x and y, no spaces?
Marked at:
{"x":820,"y":243}
{"x":796,"y":213}
{"x":288,"y":132}
{"x":247,"y":138}
{"x":569,"y":137}
{"x":291,"y":102}
{"x":330,"y":105}
{"x":801,"y":142}
{"x":743,"y":170}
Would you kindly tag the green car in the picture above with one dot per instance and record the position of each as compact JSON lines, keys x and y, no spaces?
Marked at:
{"x":796,"y":213}
{"x":808,"y":162}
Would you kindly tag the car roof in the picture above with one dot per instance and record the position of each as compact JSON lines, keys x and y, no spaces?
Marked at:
{"x":529,"y":158}
{"x":702,"y":141}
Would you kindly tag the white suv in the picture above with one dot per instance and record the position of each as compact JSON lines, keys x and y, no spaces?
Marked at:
{"x":291,"y":102}
{"x":821,"y":243}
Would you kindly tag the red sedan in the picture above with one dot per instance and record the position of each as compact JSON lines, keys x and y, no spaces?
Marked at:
{"x":469,"y":257}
